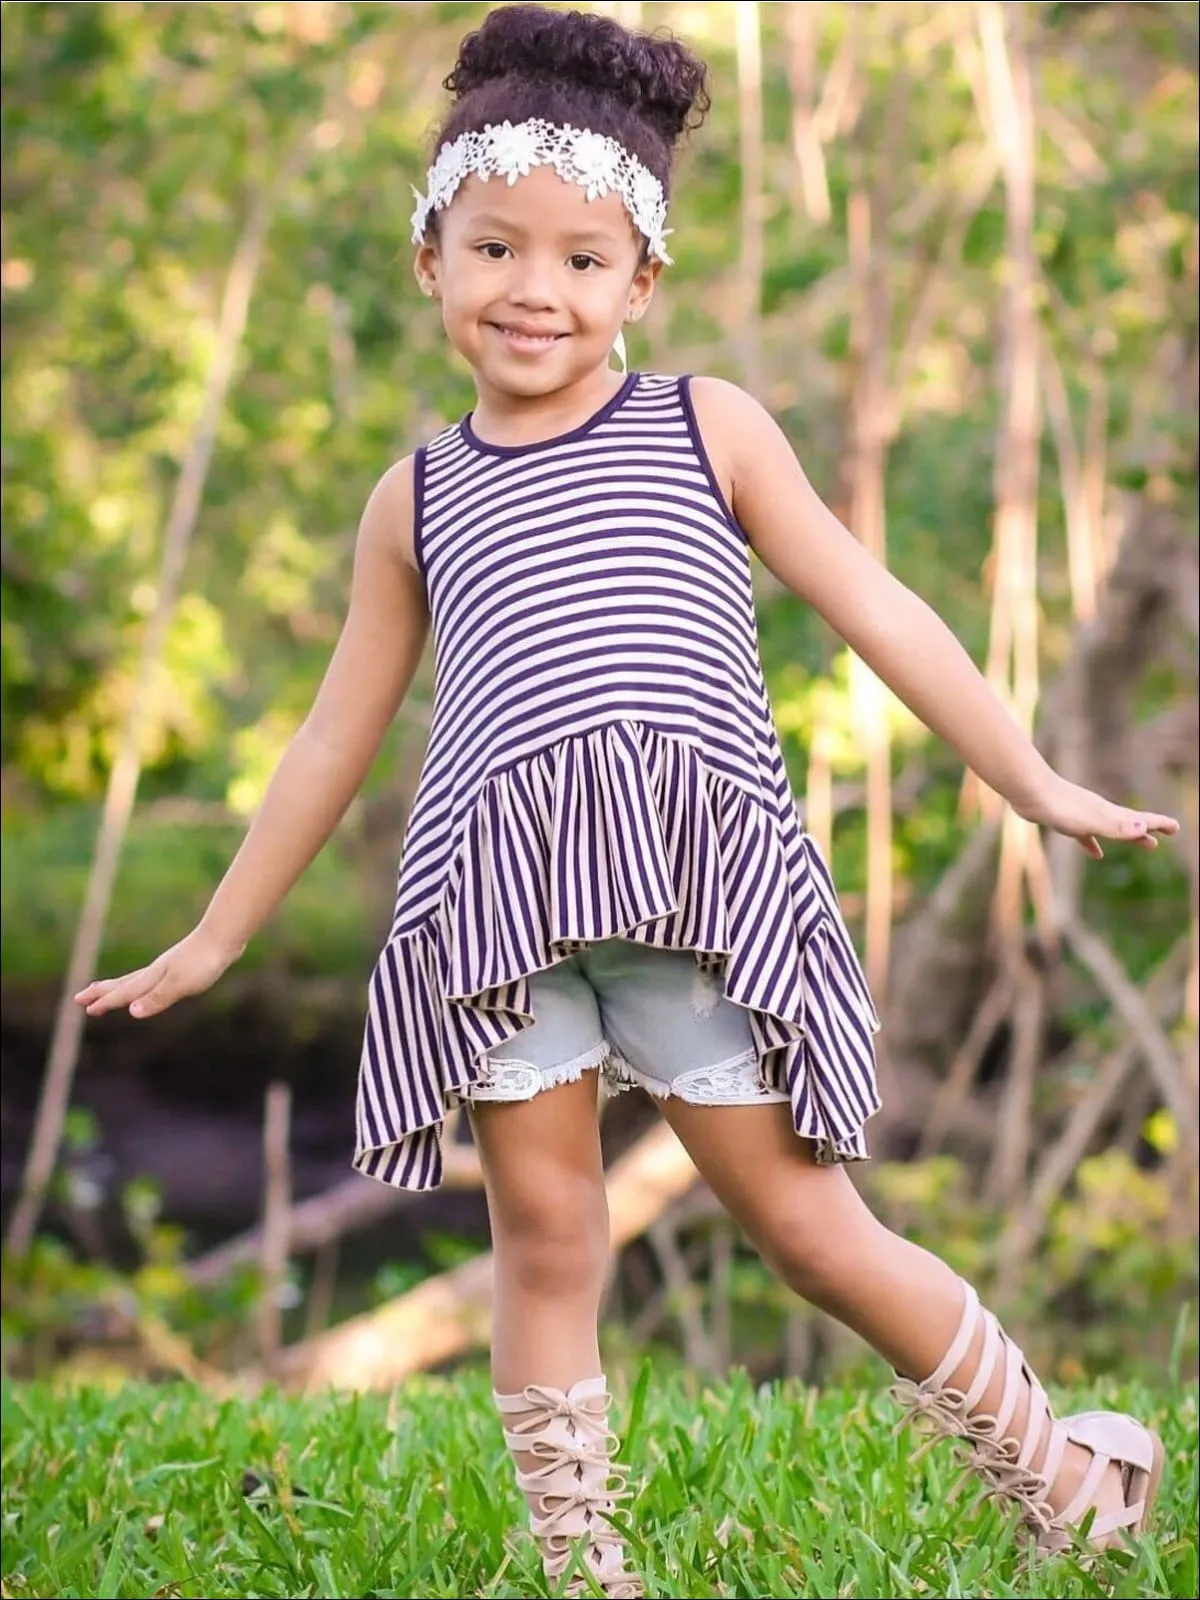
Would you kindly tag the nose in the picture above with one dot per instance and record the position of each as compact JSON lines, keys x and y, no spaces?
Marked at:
{"x":534,"y":287}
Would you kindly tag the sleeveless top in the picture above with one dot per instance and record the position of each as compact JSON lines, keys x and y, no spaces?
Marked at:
{"x":602,"y":762}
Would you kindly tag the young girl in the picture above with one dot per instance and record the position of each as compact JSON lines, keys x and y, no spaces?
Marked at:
{"x":604,"y":876}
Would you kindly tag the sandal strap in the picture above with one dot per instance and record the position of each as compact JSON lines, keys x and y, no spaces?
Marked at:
{"x":1006,"y":1462}
{"x":576,"y":1485}
{"x":960,"y":1344}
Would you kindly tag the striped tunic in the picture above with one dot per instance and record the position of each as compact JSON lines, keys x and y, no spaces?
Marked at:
{"x":602,"y":763}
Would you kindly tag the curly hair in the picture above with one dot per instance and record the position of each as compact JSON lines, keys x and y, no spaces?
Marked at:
{"x":581,"y":68}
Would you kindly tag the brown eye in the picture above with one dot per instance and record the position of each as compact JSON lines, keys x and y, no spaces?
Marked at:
{"x":582,"y":262}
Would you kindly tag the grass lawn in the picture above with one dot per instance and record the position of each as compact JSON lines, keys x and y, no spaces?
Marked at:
{"x":779,"y":1492}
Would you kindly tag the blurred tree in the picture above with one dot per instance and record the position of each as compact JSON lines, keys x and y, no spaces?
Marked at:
{"x":889,"y":303}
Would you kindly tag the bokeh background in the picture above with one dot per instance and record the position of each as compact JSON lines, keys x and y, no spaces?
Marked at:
{"x":954,"y":249}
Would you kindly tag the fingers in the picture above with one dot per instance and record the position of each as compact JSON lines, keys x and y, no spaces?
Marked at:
{"x":1108,"y":821}
{"x":112,"y":994}
{"x":1141,"y":828}
{"x":164,"y":993}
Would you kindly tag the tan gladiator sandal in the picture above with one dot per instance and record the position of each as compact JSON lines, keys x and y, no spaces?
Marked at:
{"x":574,"y":1491}
{"x":1006,"y":1463}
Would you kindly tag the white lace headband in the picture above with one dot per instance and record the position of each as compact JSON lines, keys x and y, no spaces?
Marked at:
{"x":598,"y":164}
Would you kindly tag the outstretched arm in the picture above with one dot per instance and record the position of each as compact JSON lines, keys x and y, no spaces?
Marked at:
{"x":322,"y":768}
{"x":894,"y":631}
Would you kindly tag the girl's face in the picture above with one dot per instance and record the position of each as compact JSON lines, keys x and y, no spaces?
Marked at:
{"x":535,"y":280}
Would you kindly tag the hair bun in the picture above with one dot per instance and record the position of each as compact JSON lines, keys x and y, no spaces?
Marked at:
{"x":657,"y":77}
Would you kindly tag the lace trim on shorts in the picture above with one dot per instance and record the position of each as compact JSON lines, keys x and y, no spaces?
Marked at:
{"x":520,"y":1080}
{"x":735,"y":1082}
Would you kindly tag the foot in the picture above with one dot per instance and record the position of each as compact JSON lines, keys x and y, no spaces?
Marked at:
{"x":572,"y":1483}
{"x":1056,"y":1471}
{"x":1109,"y":1498}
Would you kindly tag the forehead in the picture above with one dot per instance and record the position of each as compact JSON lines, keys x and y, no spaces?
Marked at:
{"x":539,"y":204}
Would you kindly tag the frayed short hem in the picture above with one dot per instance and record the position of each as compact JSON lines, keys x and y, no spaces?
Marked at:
{"x":735,"y":1082}
{"x":507,"y":1081}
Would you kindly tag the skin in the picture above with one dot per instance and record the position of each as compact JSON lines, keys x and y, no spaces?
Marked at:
{"x":537,"y":258}
{"x":534,"y":283}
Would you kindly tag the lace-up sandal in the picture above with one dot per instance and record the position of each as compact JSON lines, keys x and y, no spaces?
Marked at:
{"x":576,"y":1486}
{"x":1022,"y":1470}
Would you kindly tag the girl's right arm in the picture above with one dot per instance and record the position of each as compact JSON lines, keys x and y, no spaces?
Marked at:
{"x":322,"y":769}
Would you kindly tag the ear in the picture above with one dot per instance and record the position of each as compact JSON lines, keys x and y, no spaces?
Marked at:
{"x":641,"y":290}
{"x":427,"y":270}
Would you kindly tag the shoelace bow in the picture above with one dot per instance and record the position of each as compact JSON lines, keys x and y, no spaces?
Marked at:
{"x":992,"y":1456}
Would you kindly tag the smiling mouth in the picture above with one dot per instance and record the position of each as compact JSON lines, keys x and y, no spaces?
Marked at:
{"x":526,"y":338}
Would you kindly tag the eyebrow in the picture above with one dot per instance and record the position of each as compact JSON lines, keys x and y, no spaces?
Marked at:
{"x":487,"y":219}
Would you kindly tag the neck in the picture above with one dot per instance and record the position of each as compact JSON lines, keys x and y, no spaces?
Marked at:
{"x":505,"y":418}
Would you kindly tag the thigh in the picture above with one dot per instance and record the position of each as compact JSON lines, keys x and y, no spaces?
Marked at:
{"x":534,"y":1115}
{"x":766,"y":1176}
{"x":542,"y":1162}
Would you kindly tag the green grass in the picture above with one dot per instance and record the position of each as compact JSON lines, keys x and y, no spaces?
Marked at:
{"x":772,"y":1492}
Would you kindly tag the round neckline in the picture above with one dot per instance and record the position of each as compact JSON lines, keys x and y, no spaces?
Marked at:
{"x":468,"y":433}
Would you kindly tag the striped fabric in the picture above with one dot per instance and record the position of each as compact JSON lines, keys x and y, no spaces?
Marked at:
{"x":602,"y":763}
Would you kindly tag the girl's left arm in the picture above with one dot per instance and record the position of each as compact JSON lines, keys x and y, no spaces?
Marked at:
{"x":902,"y":640}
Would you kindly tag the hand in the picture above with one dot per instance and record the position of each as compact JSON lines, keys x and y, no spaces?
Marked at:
{"x":1068,"y":808}
{"x":189,"y":967}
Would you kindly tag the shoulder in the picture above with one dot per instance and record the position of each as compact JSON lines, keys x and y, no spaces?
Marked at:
{"x":388,"y":519}
{"x":739,"y":434}
{"x":728,"y":412}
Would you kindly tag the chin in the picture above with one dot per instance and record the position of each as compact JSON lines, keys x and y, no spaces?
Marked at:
{"x":535,"y":378}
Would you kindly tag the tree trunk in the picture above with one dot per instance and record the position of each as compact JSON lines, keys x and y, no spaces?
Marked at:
{"x":750,"y":145}
{"x":871,"y":429}
{"x":803,"y":25}
{"x":1013,"y":649}
{"x":126,"y":771}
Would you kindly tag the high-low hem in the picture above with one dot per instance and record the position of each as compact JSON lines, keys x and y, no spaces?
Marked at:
{"x":540,"y":874}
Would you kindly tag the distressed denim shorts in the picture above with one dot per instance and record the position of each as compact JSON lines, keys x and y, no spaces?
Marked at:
{"x":642,"y":1016}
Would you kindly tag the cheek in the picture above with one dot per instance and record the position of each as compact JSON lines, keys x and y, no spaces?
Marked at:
{"x":464,"y":298}
{"x":606,"y":301}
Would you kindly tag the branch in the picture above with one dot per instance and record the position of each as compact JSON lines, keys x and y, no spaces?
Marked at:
{"x":449,"y":1314}
{"x":1153,"y":1045}
{"x":126,"y":771}
{"x":277,"y":1205}
{"x":683,"y":1296}
{"x":954,"y":1091}
{"x":1058,"y":1164}
{"x":348,"y":1207}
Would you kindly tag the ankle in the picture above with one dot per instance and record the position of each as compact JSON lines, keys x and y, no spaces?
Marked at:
{"x":562,"y":1448}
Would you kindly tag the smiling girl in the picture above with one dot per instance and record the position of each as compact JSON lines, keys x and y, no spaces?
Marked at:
{"x":604,"y":877}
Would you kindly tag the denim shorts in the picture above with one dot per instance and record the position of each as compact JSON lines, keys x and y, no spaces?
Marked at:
{"x":640,"y":1015}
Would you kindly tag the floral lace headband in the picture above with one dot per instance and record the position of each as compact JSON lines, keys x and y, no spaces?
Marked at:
{"x":598,"y":164}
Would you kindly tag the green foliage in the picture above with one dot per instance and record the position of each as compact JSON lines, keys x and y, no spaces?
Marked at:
{"x":56,"y":1302}
{"x":168,"y":869}
{"x":775,"y":1491}
{"x":136,"y":139}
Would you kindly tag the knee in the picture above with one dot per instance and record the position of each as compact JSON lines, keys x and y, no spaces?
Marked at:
{"x":811,"y":1258}
{"x":552,"y":1239}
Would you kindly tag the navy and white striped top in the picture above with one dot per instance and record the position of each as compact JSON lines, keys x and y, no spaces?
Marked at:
{"x":602,"y":763}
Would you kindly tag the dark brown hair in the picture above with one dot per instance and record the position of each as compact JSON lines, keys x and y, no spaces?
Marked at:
{"x":645,"y":90}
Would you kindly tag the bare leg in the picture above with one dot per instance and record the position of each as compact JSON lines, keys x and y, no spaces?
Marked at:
{"x":548,"y":1207}
{"x":814,"y":1230}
